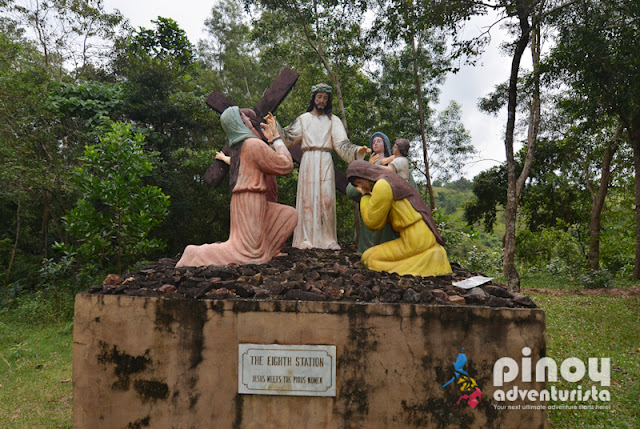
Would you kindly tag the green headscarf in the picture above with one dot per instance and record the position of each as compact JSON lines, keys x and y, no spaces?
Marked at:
{"x":233,"y":127}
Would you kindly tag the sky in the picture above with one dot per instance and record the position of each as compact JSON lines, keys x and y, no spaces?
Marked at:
{"x":465,"y":87}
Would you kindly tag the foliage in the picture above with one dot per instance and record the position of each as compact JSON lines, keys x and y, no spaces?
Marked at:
{"x":596,"y":56}
{"x":230,"y":55}
{"x":166,"y":42}
{"x":596,"y":279}
{"x":116,"y":211}
{"x":194,"y":198}
{"x":473,"y":250}
{"x":558,"y":251}
{"x":56,"y":94}
{"x":489,"y":188}
{"x":450,"y":144}
{"x":163,"y":95}
{"x":71,"y":34}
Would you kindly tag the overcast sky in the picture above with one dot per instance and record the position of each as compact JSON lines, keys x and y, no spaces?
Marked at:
{"x":465,"y":87}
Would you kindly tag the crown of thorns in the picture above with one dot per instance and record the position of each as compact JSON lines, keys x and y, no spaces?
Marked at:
{"x":321,"y":87}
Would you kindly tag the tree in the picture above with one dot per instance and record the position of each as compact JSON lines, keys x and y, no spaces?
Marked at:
{"x":45,"y":46}
{"x":164,"y":88}
{"x":332,"y":31}
{"x":115,"y":213}
{"x":417,"y":63}
{"x":72,"y":34}
{"x":450,"y":144}
{"x":230,"y":54}
{"x":25,"y":145}
{"x":529,"y":15}
{"x":596,"y":56}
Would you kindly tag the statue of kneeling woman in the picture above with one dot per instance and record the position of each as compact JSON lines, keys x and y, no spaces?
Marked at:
{"x":387,"y":197}
{"x":259,"y":228}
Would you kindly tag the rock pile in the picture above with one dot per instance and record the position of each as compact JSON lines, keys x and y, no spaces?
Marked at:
{"x":307,"y":275}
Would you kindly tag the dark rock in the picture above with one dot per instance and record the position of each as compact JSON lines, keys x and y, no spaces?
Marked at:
{"x":334,"y":293}
{"x":426,"y":297}
{"x":313,"y":274}
{"x":247,"y":271}
{"x":476,"y":291}
{"x":476,"y":299}
{"x":340,"y":269}
{"x":261,"y":293}
{"x":229,"y":284}
{"x":411,"y":296}
{"x":365,"y":293}
{"x":275,"y":287}
{"x":310,"y":274}
{"x":440,"y":294}
{"x":359,"y":279}
{"x":218,"y":293}
{"x":301,"y":295}
{"x":498,"y":291}
{"x":495,"y":301}
{"x":243,"y":290}
{"x":457,"y":300}
{"x":524,"y":301}
{"x":163,"y":290}
{"x":390,"y":297}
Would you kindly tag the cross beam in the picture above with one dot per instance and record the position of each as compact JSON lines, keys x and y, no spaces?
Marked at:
{"x":269,"y":102}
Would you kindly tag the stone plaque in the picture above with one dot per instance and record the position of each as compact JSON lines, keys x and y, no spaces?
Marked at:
{"x":275,"y":369}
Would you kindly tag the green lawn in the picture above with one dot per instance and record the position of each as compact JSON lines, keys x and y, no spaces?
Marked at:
{"x":35,"y":374}
{"x":36,"y":389}
{"x":596,"y":326}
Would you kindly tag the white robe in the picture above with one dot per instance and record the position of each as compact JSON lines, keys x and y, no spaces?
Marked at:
{"x":316,"y":197}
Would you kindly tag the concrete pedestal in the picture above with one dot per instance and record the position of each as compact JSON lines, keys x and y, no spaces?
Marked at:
{"x":159,"y":363}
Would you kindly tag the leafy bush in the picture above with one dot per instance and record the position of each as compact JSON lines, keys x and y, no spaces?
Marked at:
{"x":554,"y":250}
{"x":596,"y":279}
{"x":466,"y":246}
{"x":488,"y":262}
{"x":116,"y":211}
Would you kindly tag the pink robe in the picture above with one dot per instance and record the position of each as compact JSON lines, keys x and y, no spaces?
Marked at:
{"x":259,"y":228}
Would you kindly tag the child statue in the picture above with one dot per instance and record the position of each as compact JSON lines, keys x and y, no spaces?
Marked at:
{"x":380,"y":149}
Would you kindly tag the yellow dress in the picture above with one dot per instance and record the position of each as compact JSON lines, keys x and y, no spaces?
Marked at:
{"x":416,"y":252}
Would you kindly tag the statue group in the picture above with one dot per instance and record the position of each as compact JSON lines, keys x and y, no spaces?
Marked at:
{"x":398,"y":232}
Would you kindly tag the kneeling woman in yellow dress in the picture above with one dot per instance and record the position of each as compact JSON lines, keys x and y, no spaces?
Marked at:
{"x":388,"y":198}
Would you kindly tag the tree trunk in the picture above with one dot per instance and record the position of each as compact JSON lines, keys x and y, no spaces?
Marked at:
{"x":44,"y":242}
{"x":15,"y":244}
{"x":509,"y":268}
{"x":423,"y":137}
{"x":634,"y":138}
{"x":598,"y":204}
{"x":534,"y":109}
{"x":343,"y":112}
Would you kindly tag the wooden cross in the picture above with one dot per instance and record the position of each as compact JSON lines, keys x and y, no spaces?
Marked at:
{"x":269,"y":102}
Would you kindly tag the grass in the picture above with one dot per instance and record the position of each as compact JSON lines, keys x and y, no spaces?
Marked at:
{"x":35,"y":370}
{"x":35,"y":359}
{"x":596,"y":326}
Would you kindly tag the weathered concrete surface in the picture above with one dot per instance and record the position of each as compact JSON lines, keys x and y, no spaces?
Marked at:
{"x":151,"y":362}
